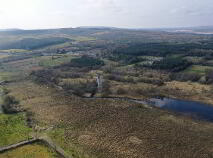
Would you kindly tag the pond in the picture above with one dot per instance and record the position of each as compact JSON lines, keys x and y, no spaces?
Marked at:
{"x":193,"y":109}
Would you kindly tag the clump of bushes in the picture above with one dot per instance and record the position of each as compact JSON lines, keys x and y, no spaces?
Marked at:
{"x":121,"y":91}
{"x":124,"y":58}
{"x":120,"y":78}
{"x":106,"y":89}
{"x":45,"y":76}
{"x":194,"y":77}
{"x":71,"y":75}
{"x":86,"y":61}
{"x":152,"y":81}
{"x":209,"y":76}
{"x":174,"y":64}
{"x":10,"y":105}
{"x":81,"y":88}
{"x":30,"y":119}
{"x":150,"y":91}
{"x":5,"y":91}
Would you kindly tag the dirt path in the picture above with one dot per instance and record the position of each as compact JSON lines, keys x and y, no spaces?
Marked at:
{"x":44,"y":139}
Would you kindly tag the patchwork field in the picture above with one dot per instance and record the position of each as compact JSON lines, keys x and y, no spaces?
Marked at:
{"x":3,"y":56}
{"x":84,"y":127}
{"x":51,"y":61}
{"x":199,"y":69}
{"x":14,"y":51}
{"x":30,"y":151}
{"x":13,"y":129}
{"x":58,"y":86}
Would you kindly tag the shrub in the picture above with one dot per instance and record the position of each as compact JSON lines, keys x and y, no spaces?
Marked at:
{"x":71,"y":75}
{"x":146,"y":92}
{"x":152,"y":81}
{"x":194,"y":77}
{"x":30,"y":120}
{"x":5,"y":91}
{"x":130,"y":80}
{"x":81,"y":88}
{"x":120,"y":78}
{"x":209,"y":76}
{"x":45,"y":76}
{"x":106,"y":89}
{"x":10,"y":104}
{"x":86,"y":61}
{"x":121,"y":91}
{"x":108,"y":69}
{"x":174,"y":64}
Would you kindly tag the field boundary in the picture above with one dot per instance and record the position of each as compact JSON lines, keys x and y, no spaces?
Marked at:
{"x":45,"y":140}
{"x":20,"y":144}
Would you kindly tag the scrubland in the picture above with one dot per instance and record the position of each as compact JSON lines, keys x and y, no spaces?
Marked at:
{"x":50,"y":87}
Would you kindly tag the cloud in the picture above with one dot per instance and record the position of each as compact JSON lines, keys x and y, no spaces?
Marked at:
{"x":104,"y":5}
{"x":190,"y":11}
{"x":118,"y":13}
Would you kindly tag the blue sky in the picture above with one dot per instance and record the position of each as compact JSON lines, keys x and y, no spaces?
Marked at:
{"x":33,"y":14}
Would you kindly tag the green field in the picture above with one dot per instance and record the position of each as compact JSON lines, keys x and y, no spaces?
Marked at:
{"x":30,"y":151}
{"x":15,"y":51}
{"x":194,"y":60}
{"x":54,"y":61}
{"x":198,"y":69}
{"x":13,"y":129}
{"x":7,"y":76}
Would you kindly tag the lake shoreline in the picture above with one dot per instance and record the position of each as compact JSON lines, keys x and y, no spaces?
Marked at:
{"x":193,"y":109}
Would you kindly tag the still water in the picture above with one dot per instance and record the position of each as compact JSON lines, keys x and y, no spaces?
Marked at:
{"x":194,"y":109}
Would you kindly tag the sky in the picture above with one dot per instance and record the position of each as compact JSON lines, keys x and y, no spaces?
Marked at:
{"x":42,"y":14}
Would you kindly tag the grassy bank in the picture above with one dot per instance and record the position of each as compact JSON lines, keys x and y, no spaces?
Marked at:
{"x":13,"y":129}
{"x":30,"y":151}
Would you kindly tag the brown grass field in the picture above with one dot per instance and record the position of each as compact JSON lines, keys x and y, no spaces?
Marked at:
{"x":106,"y":128}
{"x":103,"y":128}
{"x":112,"y":128}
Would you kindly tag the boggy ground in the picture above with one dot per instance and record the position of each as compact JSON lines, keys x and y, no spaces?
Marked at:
{"x":112,"y":128}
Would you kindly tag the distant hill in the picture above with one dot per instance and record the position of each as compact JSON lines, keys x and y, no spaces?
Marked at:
{"x":8,"y":30}
{"x":195,"y":30}
{"x":97,"y":27}
{"x":40,"y":38}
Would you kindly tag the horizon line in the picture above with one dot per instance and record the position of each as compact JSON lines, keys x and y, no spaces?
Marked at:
{"x":102,"y":27}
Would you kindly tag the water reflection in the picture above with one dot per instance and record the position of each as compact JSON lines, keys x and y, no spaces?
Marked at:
{"x":194,"y":109}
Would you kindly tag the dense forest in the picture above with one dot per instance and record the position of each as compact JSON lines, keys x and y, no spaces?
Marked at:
{"x":33,"y":43}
